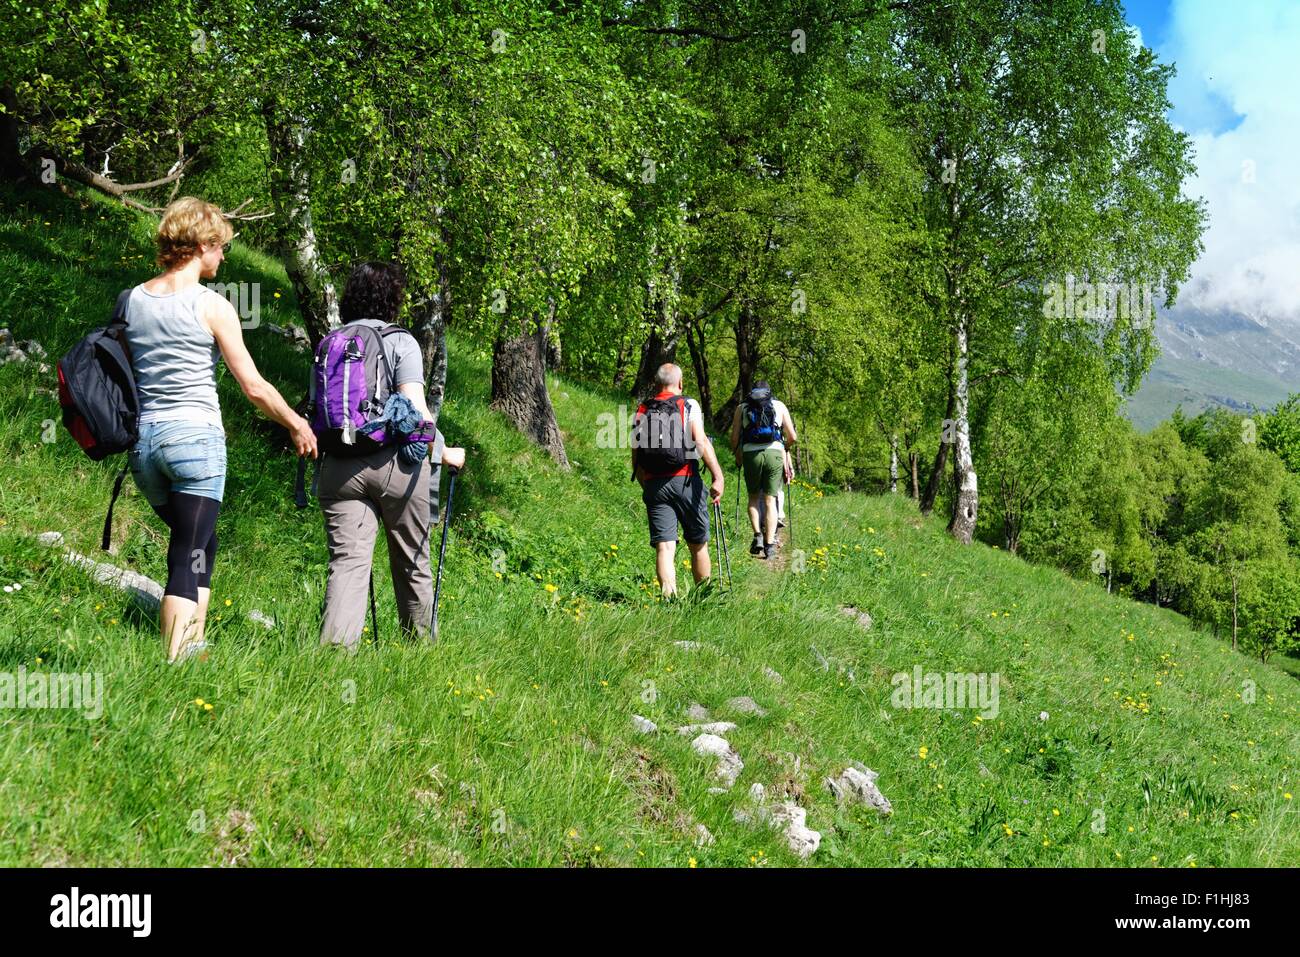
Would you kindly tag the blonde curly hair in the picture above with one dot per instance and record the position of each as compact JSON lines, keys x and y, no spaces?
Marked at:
{"x":186,"y":224}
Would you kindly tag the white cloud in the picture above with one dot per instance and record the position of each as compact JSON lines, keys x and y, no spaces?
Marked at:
{"x":1241,"y":57}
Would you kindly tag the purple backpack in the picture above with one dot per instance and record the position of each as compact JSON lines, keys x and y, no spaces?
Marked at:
{"x":350,"y":383}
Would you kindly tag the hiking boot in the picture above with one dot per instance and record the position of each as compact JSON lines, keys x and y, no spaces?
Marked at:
{"x":756,"y":546}
{"x":769,"y":550}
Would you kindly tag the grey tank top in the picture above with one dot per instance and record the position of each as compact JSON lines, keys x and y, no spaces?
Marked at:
{"x":173,"y":356}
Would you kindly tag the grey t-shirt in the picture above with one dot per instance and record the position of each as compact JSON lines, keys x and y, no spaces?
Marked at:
{"x":402,"y":352}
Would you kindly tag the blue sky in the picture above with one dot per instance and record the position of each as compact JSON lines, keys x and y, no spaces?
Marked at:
{"x":1237,"y":95}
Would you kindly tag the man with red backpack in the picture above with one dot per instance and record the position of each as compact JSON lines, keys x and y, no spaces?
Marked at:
{"x":668,"y":440}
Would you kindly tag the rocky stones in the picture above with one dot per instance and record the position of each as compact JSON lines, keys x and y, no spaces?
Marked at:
{"x":729,"y":764}
{"x":28,"y":350}
{"x":858,"y":784}
{"x":773,"y":676}
{"x":787,"y":817}
{"x":643,"y":725}
{"x":861,"y":617}
{"x":746,"y":705}
{"x":296,"y":335}
{"x":711,"y":727}
{"x":697,"y":712}
{"x":802,"y":840}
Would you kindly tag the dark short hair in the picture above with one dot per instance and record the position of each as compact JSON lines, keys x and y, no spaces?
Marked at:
{"x":374,"y":291}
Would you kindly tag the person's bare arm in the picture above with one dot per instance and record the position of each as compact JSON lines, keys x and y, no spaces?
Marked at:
{"x":223,"y":322}
{"x":710,"y":458}
{"x":451,"y":457}
{"x":787,"y":428}
{"x":735,"y":432}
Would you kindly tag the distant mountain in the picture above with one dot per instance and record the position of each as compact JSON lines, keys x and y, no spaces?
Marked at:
{"x":1217,"y":357}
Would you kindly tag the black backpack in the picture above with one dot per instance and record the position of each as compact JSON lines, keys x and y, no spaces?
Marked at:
{"x":659,"y":437}
{"x":760,"y":418}
{"x":101,"y":408}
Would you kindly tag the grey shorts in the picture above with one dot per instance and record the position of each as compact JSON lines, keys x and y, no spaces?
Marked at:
{"x":681,"y":498}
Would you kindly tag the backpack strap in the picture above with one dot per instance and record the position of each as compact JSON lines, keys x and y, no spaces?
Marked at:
{"x":108,"y":519}
{"x":384,"y":333}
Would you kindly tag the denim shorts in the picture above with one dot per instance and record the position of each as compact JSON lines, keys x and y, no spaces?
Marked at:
{"x":179,"y":456}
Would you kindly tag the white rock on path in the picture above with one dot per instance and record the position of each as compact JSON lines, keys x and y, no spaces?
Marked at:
{"x":863,"y":618}
{"x":801,"y":839}
{"x":747,"y":705}
{"x":643,"y":725}
{"x":729,"y":763}
{"x":712,"y":727}
{"x":757,"y":812}
{"x":858,"y":784}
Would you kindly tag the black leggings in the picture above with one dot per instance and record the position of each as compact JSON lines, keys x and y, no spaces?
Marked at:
{"x":193,"y":545}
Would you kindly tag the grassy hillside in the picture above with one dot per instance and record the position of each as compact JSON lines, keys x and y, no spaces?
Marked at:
{"x":1122,"y":738}
{"x":1197,"y":386}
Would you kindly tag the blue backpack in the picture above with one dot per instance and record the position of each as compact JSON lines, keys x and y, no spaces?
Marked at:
{"x":760,"y":419}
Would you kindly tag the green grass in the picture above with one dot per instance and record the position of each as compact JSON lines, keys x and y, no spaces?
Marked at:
{"x":402,"y":755}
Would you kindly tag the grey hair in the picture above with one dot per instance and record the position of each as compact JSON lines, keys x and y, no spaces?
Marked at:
{"x":668,"y":374}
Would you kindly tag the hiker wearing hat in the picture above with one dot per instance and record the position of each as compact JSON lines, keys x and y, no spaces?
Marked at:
{"x":379,"y":450}
{"x":668,"y":441}
{"x":761,"y":435}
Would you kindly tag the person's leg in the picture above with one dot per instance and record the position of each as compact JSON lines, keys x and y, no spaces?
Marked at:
{"x":665,"y":557}
{"x":351,"y":522}
{"x":691,"y":501}
{"x":701,"y":565}
{"x":190,"y":551}
{"x":750,"y":467}
{"x":406,"y":516}
{"x":771,"y":472}
{"x":205,"y":590}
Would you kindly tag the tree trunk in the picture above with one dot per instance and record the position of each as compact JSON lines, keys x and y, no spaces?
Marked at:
{"x":291,"y":192}
{"x":519,"y":387}
{"x":940,"y":457}
{"x":660,"y":346}
{"x":748,"y":331}
{"x":913,"y":460}
{"x":893,"y":464}
{"x":11,"y":156}
{"x":620,"y":362}
{"x":697,"y":345}
{"x":966,"y":504}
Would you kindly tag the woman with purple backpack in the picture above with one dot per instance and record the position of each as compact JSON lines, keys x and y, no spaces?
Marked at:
{"x":367,"y":371}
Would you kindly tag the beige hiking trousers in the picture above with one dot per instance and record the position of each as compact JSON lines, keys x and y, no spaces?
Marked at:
{"x":356,"y":496}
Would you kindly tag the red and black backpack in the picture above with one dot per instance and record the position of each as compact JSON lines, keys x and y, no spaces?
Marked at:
{"x":660,"y":438}
{"x":101,"y":408}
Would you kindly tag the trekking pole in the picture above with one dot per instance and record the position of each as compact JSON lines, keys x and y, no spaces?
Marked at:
{"x":442,"y":550}
{"x":789,"y":507}
{"x":725,"y":547}
{"x":374,"y":618}
{"x":739,"y":481}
